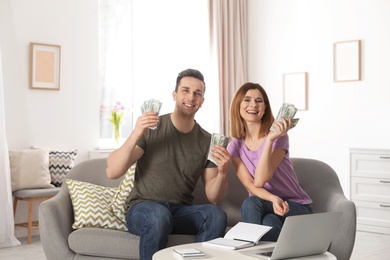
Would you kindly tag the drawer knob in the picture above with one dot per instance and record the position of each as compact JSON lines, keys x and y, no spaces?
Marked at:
{"x":384,"y":206}
{"x":382,"y":181}
{"x":384,"y":157}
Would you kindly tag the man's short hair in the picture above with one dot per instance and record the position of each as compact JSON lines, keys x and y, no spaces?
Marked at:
{"x":190,"y":73}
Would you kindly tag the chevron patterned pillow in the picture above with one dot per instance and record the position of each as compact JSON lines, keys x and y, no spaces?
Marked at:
{"x":60,"y":163}
{"x":91,"y":206}
{"x":119,"y":205}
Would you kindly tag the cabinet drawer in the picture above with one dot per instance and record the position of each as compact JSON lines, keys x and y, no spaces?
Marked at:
{"x":370,"y":165}
{"x":371,"y":214}
{"x":370,"y":189}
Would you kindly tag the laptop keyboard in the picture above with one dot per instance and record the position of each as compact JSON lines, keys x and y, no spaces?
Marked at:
{"x":265,"y":253}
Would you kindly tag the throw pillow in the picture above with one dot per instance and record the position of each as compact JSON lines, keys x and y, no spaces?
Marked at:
{"x":119,"y":203}
{"x":29,"y":169}
{"x":91,"y":206}
{"x":60,"y":163}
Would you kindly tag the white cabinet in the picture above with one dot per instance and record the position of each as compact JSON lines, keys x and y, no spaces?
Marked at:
{"x":370,"y":189}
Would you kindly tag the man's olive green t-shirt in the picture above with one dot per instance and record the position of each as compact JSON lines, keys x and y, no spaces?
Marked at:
{"x":171,"y":165}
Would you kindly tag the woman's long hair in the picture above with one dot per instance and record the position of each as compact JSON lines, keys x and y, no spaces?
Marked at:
{"x":238,"y":126}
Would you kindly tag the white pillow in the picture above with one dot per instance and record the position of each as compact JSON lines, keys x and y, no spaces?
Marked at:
{"x":30,"y":169}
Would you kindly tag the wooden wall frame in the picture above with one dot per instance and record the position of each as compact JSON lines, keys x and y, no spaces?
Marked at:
{"x":45,"y":65}
{"x":346,"y":61}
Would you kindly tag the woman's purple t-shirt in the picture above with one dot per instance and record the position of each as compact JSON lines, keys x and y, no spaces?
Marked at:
{"x":284,"y":182}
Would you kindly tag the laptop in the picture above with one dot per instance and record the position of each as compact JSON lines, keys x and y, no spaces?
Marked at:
{"x":301,"y":235}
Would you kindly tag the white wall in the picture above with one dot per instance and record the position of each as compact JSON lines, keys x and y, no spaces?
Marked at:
{"x":298,"y":36}
{"x":65,"y":119}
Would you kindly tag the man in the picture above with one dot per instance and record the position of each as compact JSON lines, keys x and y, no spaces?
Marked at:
{"x":170,"y":160}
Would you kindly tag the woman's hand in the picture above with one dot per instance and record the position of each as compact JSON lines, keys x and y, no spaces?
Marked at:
{"x":280,"y":207}
{"x":280,"y":129}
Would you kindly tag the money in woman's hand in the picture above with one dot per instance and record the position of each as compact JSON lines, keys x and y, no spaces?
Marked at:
{"x":287,"y":111}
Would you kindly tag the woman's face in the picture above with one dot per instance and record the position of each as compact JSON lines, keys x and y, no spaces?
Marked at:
{"x":252,"y":106}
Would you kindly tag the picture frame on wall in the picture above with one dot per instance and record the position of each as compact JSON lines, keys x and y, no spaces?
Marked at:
{"x":295,"y":89}
{"x":347,"y":60}
{"x":45,"y":65}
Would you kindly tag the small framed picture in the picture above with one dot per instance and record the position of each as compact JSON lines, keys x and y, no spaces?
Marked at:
{"x":295,"y":89}
{"x":346,"y":61}
{"x":45,"y":64}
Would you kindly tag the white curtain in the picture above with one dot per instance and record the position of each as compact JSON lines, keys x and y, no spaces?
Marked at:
{"x":115,"y":64}
{"x":7,"y":237}
{"x":229,"y":47}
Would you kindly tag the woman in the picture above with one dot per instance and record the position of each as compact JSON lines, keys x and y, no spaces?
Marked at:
{"x":261,"y":159}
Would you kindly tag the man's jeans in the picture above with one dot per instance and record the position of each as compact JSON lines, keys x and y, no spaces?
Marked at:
{"x":258,"y":211}
{"x":153,"y":222}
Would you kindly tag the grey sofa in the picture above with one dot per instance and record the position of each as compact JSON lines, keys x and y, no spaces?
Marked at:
{"x":60,"y":241}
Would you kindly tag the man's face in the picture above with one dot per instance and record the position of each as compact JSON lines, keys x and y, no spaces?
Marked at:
{"x":189,"y":96}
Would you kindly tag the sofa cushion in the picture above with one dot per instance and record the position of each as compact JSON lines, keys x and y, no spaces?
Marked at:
{"x":119,"y":205}
{"x":115,"y":244}
{"x":29,"y":169}
{"x":60,"y":163}
{"x":92,"y":206}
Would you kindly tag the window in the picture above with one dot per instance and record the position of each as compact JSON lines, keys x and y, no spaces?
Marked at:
{"x":115,"y":64}
{"x":144,"y":44}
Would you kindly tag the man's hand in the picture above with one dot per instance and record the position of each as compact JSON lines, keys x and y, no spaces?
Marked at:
{"x":222,"y":156}
{"x":145,"y":121}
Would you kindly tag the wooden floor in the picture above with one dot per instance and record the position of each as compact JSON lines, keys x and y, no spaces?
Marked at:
{"x":368,"y":246}
{"x":371,"y":246}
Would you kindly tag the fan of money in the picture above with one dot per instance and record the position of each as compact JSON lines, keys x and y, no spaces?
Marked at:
{"x":151,"y":105}
{"x":287,"y":111}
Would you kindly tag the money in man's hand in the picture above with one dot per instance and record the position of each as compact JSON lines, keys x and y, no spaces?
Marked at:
{"x":151,"y":105}
{"x":217,"y":139}
{"x":287,"y":111}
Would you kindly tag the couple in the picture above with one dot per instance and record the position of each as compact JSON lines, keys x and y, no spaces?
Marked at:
{"x":172,"y":158}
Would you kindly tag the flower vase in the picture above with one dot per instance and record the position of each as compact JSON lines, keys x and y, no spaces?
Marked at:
{"x":117,"y":133}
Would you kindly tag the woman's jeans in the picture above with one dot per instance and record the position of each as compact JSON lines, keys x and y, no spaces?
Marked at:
{"x":153,"y":222}
{"x":258,"y":211}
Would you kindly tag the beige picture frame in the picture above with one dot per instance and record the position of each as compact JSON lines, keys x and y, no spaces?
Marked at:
{"x":45,"y":66}
{"x":295,"y":89}
{"x":346,"y":58}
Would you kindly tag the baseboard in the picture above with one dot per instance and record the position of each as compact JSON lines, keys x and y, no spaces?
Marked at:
{"x":21,"y":232}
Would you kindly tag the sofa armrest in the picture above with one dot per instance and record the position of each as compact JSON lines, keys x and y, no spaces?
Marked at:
{"x":344,"y":239}
{"x":55,"y":224}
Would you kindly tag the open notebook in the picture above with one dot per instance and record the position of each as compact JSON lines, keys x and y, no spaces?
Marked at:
{"x":302,"y":235}
{"x":240,"y":236}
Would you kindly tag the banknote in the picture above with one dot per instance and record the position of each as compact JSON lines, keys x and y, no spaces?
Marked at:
{"x":294,"y":122}
{"x":151,"y":105}
{"x":287,"y":111}
{"x":217,"y":139}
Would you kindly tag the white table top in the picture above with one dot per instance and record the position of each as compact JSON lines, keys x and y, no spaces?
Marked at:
{"x":225,"y":254}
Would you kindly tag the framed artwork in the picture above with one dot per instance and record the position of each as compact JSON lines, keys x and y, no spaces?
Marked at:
{"x":346,"y":60}
{"x":295,"y":89}
{"x":45,"y":64}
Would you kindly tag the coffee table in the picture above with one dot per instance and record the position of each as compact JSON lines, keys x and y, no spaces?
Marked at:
{"x":225,"y":254}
